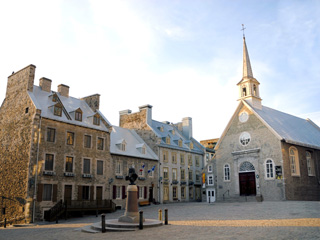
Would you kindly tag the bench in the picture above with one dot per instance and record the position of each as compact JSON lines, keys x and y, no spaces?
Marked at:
{"x":144,"y":203}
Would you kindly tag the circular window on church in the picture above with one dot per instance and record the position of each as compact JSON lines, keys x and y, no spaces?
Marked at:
{"x":243,"y":117}
{"x":245,"y":138}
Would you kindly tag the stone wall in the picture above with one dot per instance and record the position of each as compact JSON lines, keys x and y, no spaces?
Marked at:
{"x":16,"y":133}
{"x":302,"y":187}
{"x":135,"y":121}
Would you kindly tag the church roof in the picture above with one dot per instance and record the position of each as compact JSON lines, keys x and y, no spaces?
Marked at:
{"x":290,"y":128}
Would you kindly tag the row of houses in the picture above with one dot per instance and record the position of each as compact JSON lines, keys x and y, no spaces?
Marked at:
{"x":55,"y":147}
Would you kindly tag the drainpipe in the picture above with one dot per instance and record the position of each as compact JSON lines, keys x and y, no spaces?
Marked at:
{"x":159,"y":198}
{"x":36,"y":175}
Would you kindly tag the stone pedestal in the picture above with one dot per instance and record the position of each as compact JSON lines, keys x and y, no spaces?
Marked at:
{"x":131,"y":214}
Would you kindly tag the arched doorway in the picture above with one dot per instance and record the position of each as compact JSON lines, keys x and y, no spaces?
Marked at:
{"x":247,"y":179}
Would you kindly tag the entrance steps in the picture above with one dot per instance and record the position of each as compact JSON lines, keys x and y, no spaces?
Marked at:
{"x":232,"y":199}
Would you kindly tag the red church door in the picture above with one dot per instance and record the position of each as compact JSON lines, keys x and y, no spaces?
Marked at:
{"x":247,"y":182}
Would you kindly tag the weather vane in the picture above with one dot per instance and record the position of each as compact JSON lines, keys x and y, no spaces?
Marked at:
{"x":243,"y":28}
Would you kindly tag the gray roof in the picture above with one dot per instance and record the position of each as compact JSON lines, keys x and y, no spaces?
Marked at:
{"x":174,"y":138}
{"x":133,"y":141}
{"x":292,"y":129}
{"x":43,"y":101}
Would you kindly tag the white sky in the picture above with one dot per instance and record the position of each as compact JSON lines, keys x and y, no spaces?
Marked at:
{"x":182,"y":57}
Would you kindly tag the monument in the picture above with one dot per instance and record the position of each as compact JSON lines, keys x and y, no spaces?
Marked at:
{"x":131,"y":214}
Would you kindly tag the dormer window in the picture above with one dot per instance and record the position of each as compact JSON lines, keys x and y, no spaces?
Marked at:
{"x":96,"y":120}
{"x":161,"y":129}
{"x":123,"y":146}
{"x":191,"y":145}
{"x":173,"y":132}
{"x":167,"y":140}
{"x":143,"y":150}
{"x":78,"y":115}
{"x":57,"y":110}
{"x":180,"y":143}
{"x":54,"y":98}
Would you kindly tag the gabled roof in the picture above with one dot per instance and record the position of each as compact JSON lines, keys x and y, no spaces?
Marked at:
{"x":285,"y":127}
{"x":43,"y":101}
{"x":174,"y":138}
{"x":134,"y":143}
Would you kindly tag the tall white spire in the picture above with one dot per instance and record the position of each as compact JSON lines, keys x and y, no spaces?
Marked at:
{"x":247,"y":70}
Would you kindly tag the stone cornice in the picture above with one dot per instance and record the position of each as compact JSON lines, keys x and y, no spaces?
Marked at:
{"x":254,"y":150}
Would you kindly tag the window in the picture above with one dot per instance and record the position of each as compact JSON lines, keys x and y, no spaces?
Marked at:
{"x":70,"y":138}
{"x":54,"y":98}
{"x":294,"y":161}
{"x":51,"y":134}
{"x":165,"y":173}
{"x":27,"y":110}
{"x":210,"y":180}
{"x":174,"y":192}
{"x":183,"y":192}
{"x":96,"y":120}
{"x":123,"y":146}
{"x":173,"y":132}
{"x":209,"y":168}
{"x":244,"y":91}
{"x":191,"y":145}
{"x":87,"y":141}
{"x":254,"y":90}
{"x":183,"y":174}
{"x":118,"y":191}
{"x":174,"y":158}
{"x":165,"y":156}
{"x":226,"y":172}
{"x":118,"y":168}
{"x":207,"y":156}
{"x":189,"y":160}
{"x":197,"y":161}
{"x":191,"y":192}
{"x":161,"y":129}
{"x":269,"y":169}
{"x":48,"y":165}
{"x":47,"y":192}
{"x":141,"y":192}
{"x":141,"y":170}
{"x":99,"y":167}
{"x":197,"y":176}
{"x":86,"y":166}
{"x":85,"y":192}
{"x":69,"y":164}
{"x":174,"y":174}
{"x":167,"y":140}
{"x":143,"y":150}
{"x":180,"y":143}
{"x":310,"y":164}
{"x":244,"y":138}
{"x":57,"y":110}
{"x":182,"y":159}
{"x":100,"y":143}
{"x":190,"y":175}
{"x":78,"y":116}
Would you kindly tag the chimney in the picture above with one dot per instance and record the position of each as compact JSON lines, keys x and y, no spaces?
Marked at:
{"x":93,"y":101}
{"x":45,"y":84}
{"x":125,"y":112}
{"x":63,"y":90}
{"x":187,"y":127}
{"x":148,"y":108}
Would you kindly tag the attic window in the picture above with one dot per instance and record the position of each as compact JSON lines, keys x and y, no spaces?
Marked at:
{"x":96,"y":120}
{"x":161,"y":129}
{"x":173,"y":132}
{"x":123,"y":146}
{"x":54,"y":98}
{"x":180,"y":143}
{"x":167,"y":140}
{"x":191,"y":145}
{"x":78,"y":116}
{"x":143,"y":150}
{"x":57,"y":110}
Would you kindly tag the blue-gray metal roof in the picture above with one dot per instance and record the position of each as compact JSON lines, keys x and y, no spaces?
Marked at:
{"x":292,"y":129}
{"x":43,"y":101}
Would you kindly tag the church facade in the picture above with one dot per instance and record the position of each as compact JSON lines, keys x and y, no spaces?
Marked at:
{"x":266,"y":153}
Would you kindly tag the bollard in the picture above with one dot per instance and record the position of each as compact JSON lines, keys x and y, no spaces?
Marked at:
{"x":166,"y":216}
{"x":57,"y":219}
{"x":160,"y":215}
{"x":140,"y":219}
{"x":209,"y":200}
{"x":5,"y":223}
{"x":103,"y":223}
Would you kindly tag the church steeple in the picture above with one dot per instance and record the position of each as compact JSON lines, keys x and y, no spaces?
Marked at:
{"x":249,"y":86}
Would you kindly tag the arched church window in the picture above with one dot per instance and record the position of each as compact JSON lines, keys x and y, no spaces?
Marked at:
{"x":294,"y":161}
{"x":246,"y":167}
{"x":254,"y":90}
{"x":269,"y":169}
{"x":245,"y":138}
{"x":226,"y":172}
{"x":310,"y":164}
{"x":244,"y":91}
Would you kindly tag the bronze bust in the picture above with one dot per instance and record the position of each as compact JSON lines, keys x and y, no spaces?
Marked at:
{"x":132,"y":176}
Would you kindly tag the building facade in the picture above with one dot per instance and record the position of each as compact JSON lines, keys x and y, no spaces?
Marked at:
{"x":53,"y":147}
{"x":180,"y":155}
{"x":266,"y":153}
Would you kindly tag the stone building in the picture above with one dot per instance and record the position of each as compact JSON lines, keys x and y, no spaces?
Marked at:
{"x":266,"y":153}
{"x":129,"y":150}
{"x":180,"y":155}
{"x":53,"y":147}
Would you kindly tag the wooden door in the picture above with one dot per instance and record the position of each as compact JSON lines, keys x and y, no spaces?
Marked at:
{"x":99,"y":194}
{"x":150,"y":194}
{"x":247,"y":183}
{"x":68,"y":194}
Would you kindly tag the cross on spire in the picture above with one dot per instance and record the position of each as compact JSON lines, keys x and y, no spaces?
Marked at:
{"x":243,"y":28}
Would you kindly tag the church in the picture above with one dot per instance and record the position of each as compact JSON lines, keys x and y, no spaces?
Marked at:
{"x":266,"y":153}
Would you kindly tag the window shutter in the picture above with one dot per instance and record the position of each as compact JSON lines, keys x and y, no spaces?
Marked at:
{"x":145,"y":192}
{"x":124,"y":192}
{"x":54,"y":194}
{"x":114,"y":192}
{"x":91,"y":193}
{"x":79,"y":193}
{"x":138,"y":192}
{"x":40,"y":190}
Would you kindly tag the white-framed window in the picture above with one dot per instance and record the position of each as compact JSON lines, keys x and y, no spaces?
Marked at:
{"x":118,"y":192}
{"x":294,"y":161}
{"x":123,"y":146}
{"x":191,"y":145}
{"x":269,"y":169}
{"x":165,"y":173}
{"x":245,"y":138}
{"x":100,"y":143}
{"x":174,"y":157}
{"x":210,"y":180}
{"x":183,"y":192}
{"x":180,"y":143}
{"x":49,"y":162}
{"x":174,"y":192}
{"x":174,"y":174}
{"x":99,"y":167}
{"x":87,"y":141}
{"x":70,"y":138}
{"x":69,"y":164}
{"x":141,"y":192}
{"x":181,"y":158}
{"x":141,"y":170}
{"x":47,"y":192}
{"x":310,"y":164}
{"x":118,"y":168}
{"x":191,"y":192}
{"x":86,"y":166}
{"x":209,"y":168}
{"x":183,"y":174}
{"x":143,"y":150}
{"x":197,"y":161}
{"x":226,"y":172}
{"x":168,"y":140}
{"x":165,"y":156}
{"x":190,"y":175}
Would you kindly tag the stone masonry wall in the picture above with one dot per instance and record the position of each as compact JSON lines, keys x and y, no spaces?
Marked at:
{"x":16,"y":132}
